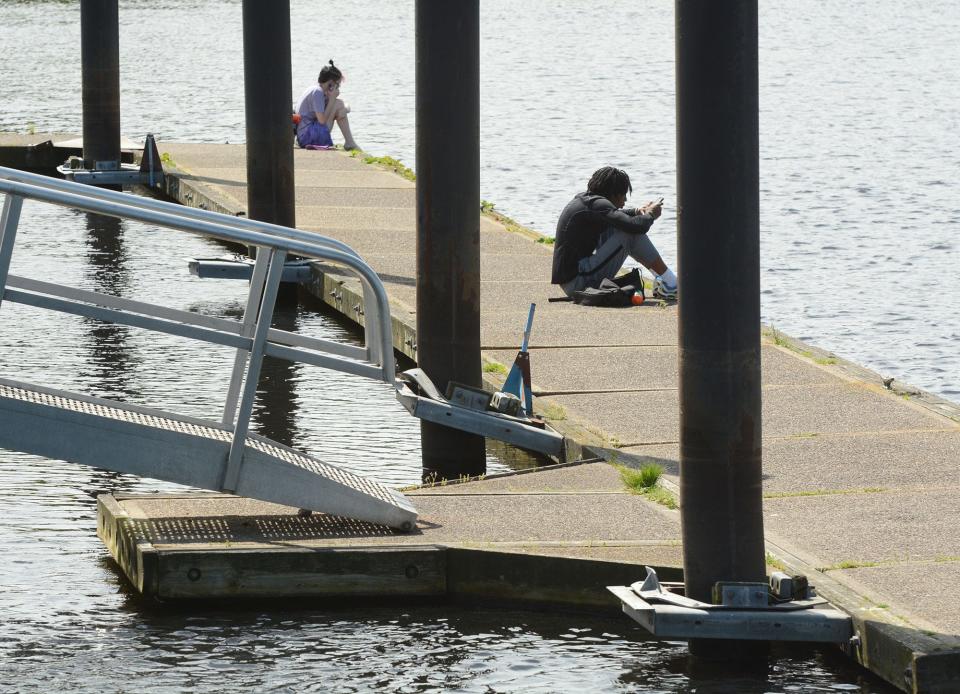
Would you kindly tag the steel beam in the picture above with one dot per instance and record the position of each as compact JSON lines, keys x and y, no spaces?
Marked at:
{"x":719,"y":308}
{"x":448,"y":219}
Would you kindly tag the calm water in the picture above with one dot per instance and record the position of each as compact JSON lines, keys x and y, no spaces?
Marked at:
{"x":859,"y":114}
{"x":858,"y":168}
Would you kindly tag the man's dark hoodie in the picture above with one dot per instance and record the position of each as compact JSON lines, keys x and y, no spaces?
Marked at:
{"x":579,"y":229}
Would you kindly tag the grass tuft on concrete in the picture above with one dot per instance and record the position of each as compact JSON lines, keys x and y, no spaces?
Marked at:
{"x":848,"y":564}
{"x":824,"y":492}
{"x":662,"y":496}
{"x":492,"y":367}
{"x":395,"y":165}
{"x":555,"y":412}
{"x":642,"y":479}
{"x":646,"y":482}
{"x":775,"y":563}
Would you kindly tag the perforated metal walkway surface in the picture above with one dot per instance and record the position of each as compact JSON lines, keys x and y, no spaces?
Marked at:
{"x":151,"y":443}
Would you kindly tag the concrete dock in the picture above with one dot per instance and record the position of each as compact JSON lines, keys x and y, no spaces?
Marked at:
{"x":860,"y":480}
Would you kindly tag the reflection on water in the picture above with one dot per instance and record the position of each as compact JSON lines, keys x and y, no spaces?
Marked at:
{"x":109,"y":368}
{"x":275,"y":412}
{"x":419,"y":648}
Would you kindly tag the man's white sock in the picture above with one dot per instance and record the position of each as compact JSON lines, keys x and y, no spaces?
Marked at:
{"x":669,"y":278}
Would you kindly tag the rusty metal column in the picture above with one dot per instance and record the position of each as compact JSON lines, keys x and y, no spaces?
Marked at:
{"x":268,"y":98}
{"x":448,"y":219}
{"x":719,"y":324}
{"x":100,"y":69}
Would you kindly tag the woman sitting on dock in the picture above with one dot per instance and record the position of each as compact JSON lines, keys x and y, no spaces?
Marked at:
{"x":320,"y":107}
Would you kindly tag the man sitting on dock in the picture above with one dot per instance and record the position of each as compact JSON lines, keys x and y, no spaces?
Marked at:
{"x":595,"y":234}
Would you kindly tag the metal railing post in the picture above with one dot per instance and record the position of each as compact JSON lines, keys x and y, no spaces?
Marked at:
{"x":371,"y":326}
{"x":9,"y":220}
{"x":254,"y":298}
{"x":235,"y":458}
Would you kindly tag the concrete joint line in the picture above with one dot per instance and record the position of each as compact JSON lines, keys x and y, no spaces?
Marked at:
{"x":852,"y":434}
{"x":497,"y":348}
{"x":585,"y":543}
{"x":547,"y":393}
{"x":579,"y":492}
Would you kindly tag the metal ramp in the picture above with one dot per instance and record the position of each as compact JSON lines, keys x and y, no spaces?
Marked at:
{"x":216,"y":455}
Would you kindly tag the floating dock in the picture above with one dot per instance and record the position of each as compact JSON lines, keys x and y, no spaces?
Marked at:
{"x":550,"y":537}
{"x":860,"y":477}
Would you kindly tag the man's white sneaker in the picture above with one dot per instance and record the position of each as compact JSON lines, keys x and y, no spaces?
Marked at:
{"x":662,"y":290}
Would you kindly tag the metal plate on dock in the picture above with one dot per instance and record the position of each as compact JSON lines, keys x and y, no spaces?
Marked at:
{"x":670,"y":616}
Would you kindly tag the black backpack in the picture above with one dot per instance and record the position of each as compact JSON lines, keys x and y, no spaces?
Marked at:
{"x":617,"y":292}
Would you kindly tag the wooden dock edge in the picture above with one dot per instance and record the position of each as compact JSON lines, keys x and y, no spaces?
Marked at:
{"x":135,"y":556}
{"x":236,"y":572}
{"x":902,"y":649}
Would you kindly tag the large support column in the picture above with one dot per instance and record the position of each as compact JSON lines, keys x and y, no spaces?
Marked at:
{"x":719,"y":324}
{"x":268,"y":98}
{"x":100,"y":69}
{"x":448,"y":218}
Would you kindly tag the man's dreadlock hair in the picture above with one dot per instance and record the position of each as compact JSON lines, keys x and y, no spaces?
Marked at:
{"x":609,"y":181}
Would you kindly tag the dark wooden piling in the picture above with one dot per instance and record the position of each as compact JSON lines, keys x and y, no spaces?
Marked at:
{"x":268,"y":94}
{"x":448,"y":219}
{"x":719,"y":309}
{"x":100,"y":69}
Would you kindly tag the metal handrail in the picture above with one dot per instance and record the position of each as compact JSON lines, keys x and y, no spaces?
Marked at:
{"x":252,"y":337}
{"x":183,"y":211}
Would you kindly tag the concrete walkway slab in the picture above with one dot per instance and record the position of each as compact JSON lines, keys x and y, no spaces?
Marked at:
{"x":601,"y":369}
{"x":926,"y":589}
{"x":349,"y":219}
{"x":799,"y":411}
{"x":514,"y":295}
{"x":502,"y":268}
{"x":887,"y":460}
{"x":588,"y":478}
{"x":365,"y":197}
{"x":564,"y":324}
{"x":27,"y":139}
{"x":840,"y":462}
{"x":870,"y":527}
{"x":568,"y":517}
{"x":608,"y":368}
{"x":195,"y":157}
